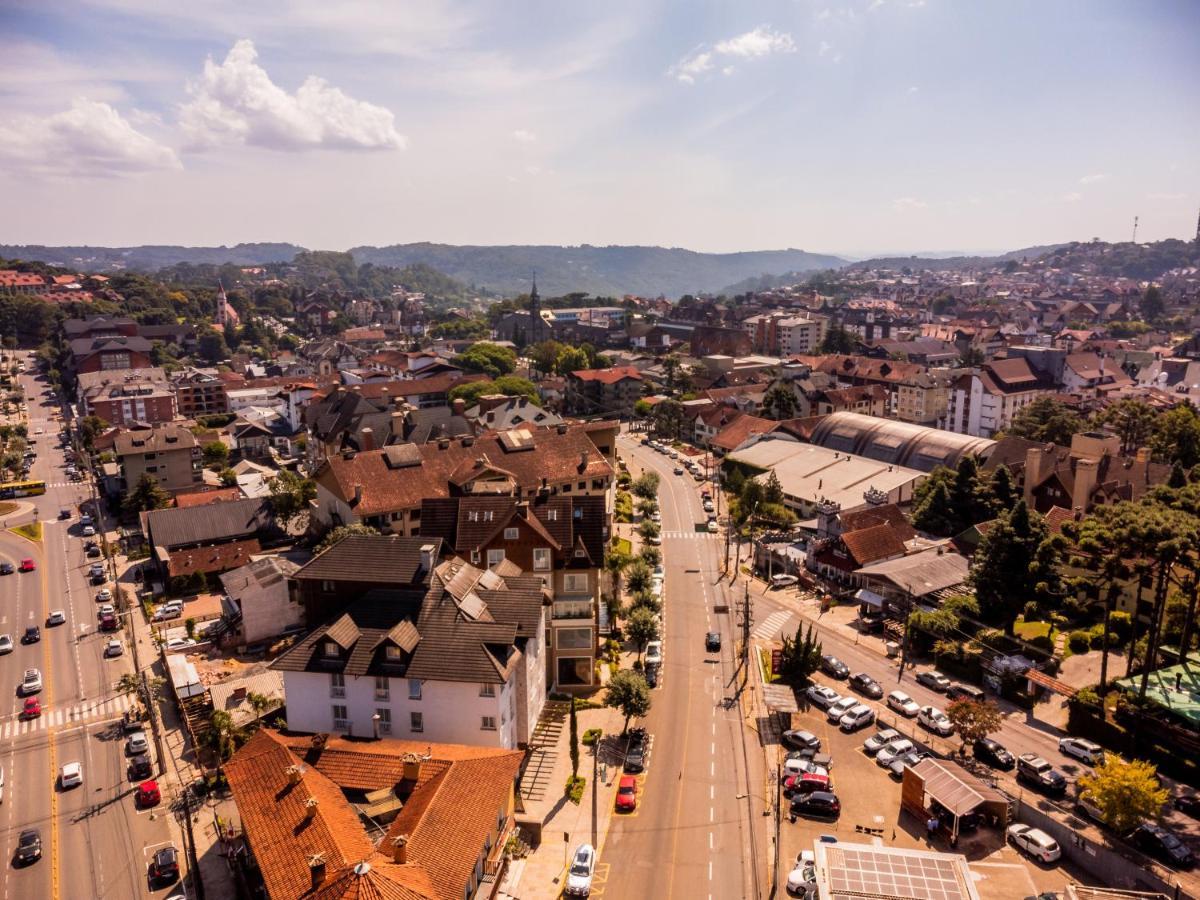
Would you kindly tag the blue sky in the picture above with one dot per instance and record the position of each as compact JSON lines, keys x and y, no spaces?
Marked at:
{"x":853,"y":127}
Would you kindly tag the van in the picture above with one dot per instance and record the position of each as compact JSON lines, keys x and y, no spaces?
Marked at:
{"x":965,"y":692}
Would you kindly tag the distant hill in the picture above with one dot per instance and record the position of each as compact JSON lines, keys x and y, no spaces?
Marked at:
{"x":1127,"y":260}
{"x":149,"y":257}
{"x":941,"y":263}
{"x":603,"y":271}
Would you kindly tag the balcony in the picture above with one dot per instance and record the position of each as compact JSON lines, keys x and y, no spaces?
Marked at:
{"x":337,"y":691}
{"x":572,"y":609}
{"x":341,"y":725}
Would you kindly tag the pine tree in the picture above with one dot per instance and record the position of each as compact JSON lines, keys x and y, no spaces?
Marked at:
{"x":1001,"y":491}
{"x":1016,"y":562}
{"x":936,"y":514}
{"x":574,"y":725}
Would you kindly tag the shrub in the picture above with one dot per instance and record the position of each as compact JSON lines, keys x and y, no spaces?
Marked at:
{"x":1033,"y":612}
{"x":574,"y":788}
{"x":1089,"y":696}
{"x":1097,"y":641}
{"x":1079,"y":641}
{"x":1042,"y":642}
{"x":1120,"y":626}
{"x":591,"y":736}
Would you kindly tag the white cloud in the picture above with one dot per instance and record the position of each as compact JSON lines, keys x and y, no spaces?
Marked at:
{"x":1073,"y":197}
{"x":913,"y":89}
{"x":915,"y":4}
{"x":89,"y":139}
{"x":905,"y":204}
{"x":525,"y":137}
{"x":1160,"y":195}
{"x":236,"y":102}
{"x":762,"y":41}
{"x":1092,"y":179}
{"x":874,"y":4}
{"x":824,"y":14}
{"x":824,"y":48}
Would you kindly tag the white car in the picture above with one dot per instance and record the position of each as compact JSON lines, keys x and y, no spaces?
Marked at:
{"x":1035,"y":842}
{"x":1083,"y":750}
{"x":837,"y":710}
{"x":174,"y":645}
{"x":859,"y":716}
{"x":782,"y":581}
{"x":579,"y":876}
{"x":103,"y":595}
{"x":891,"y":751}
{"x":70,"y":775}
{"x":137,"y":744}
{"x":168,"y":611}
{"x":712,"y":526}
{"x":106,"y":609}
{"x":56,"y":617}
{"x":798,"y":765}
{"x":6,"y":643}
{"x":822,"y":696}
{"x":654,"y":651}
{"x":88,"y":531}
{"x":113,"y":648}
{"x":880,"y":739}
{"x":935,"y":720}
{"x":31,"y":683}
{"x":802,"y":880}
{"x":903,"y":704}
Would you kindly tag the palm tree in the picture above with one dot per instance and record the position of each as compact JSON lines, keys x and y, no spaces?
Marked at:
{"x":615,"y":563}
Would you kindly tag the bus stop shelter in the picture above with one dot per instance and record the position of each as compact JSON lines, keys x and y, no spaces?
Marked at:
{"x":945,"y":790}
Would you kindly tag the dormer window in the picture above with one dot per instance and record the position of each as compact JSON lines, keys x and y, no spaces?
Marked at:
{"x":332,"y":650}
{"x":487,"y":515}
{"x":511,"y":534}
{"x":473,"y":515}
{"x":393,"y":653}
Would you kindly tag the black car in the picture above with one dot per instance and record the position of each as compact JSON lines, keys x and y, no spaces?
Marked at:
{"x":1188,"y":805}
{"x":652,"y":673}
{"x":865,"y":684}
{"x":831,"y":665}
{"x":7,"y":568}
{"x":29,"y":847}
{"x":32,"y":635}
{"x":712,"y":642}
{"x":1162,"y":845}
{"x":994,"y":754}
{"x":165,"y":865}
{"x":817,"y":805}
{"x":635,"y":751}
{"x":139,"y":768}
{"x":93,"y":551}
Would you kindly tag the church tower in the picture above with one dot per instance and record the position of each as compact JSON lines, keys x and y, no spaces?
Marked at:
{"x":535,"y":314}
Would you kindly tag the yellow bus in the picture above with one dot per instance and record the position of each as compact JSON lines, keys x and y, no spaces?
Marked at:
{"x":11,"y":489}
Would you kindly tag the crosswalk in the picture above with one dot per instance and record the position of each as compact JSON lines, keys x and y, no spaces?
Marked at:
{"x":90,"y":710}
{"x":690,"y":535}
{"x":780,"y":621}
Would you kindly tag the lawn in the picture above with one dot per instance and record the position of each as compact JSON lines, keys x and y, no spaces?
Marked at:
{"x":1028,"y":630}
{"x":623,"y":545}
{"x":33,"y":531}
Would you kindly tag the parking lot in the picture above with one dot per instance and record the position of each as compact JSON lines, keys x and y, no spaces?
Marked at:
{"x":870,"y":801}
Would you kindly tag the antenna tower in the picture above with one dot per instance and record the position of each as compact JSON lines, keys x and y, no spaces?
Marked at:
{"x":1135,"y":218}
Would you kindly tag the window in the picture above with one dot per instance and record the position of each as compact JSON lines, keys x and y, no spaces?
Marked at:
{"x":385,"y":720}
{"x":414,"y":689}
{"x":474,"y":556}
{"x":473,"y":515}
{"x":573,"y":638}
{"x":382,"y":689}
{"x":583,"y":485}
{"x":552,"y":515}
{"x":393,"y":653}
{"x":488,"y":723}
{"x":566,"y":489}
{"x":511,"y":534}
{"x":541,"y":559}
{"x":575,"y":582}
{"x":487,"y":690}
{"x":327,"y":587}
{"x":151,"y":468}
{"x":495,"y":557}
{"x":337,"y":685}
{"x":414,"y":515}
{"x":416,"y":721}
{"x":340,"y":720}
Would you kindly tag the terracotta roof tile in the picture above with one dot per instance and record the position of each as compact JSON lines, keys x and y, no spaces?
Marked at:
{"x":214,"y":558}
{"x":867,"y":545}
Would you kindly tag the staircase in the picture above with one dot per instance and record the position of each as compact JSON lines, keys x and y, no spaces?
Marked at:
{"x":539,"y":759}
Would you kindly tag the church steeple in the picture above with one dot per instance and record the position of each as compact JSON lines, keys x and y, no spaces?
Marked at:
{"x":535,"y":313}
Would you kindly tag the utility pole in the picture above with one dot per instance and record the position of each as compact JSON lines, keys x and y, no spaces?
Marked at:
{"x":595,"y":792}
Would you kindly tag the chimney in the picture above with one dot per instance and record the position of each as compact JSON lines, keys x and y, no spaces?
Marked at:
{"x":368,"y":438}
{"x":1037,"y":463}
{"x":316,"y":867}
{"x":293,"y":774}
{"x":412,"y":767}
{"x":459,"y":406}
{"x":443,"y":443}
{"x":427,"y":559}
{"x":400,"y":849}
{"x":583,"y":460}
{"x":1142,"y":465}
{"x":1086,"y":472}
{"x":357,"y":494}
{"x":310,"y":808}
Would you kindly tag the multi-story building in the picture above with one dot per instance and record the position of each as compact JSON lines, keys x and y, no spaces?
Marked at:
{"x":168,"y":453}
{"x":781,"y":333}
{"x":122,"y":396}
{"x":97,"y":354}
{"x":923,"y":399}
{"x":612,"y":391}
{"x":199,"y":392}
{"x":987,"y":399}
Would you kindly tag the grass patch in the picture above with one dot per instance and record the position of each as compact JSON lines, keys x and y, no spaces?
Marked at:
{"x":33,"y":531}
{"x":7,"y":507}
{"x":623,"y":545}
{"x":1028,"y":630}
{"x":574,"y":789}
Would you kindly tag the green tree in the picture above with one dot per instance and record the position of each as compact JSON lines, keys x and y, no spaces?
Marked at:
{"x":799,"y":657}
{"x":616,"y":563}
{"x":935,"y":512}
{"x":1178,"y":477}
{"x":336,"y":535}
{"x":1152,"y":304}
{"x":490,"y":359}
{"x":1016,"y":562}
{"x":971,"y":357}
{"x":837,"y":340}
{"x":91,"y":427}
{"x":145,"y":495}
{"x":228,"y":477}
{"x":570,"y":359}
{"x":1001,"y":490}
{"x":668,"y":418}
{"x":1177,"y":436}
{"x":642,"y":408}
{"x":629,"y":694}
{"x":649,"y":529}
{"x":224,"y":733}
{"x":672,"y":371}
{"x":210,"y":344}
{"x":544,"y":355}
{"x":641,"y":627}
{"x":1125,"y":792}
{"x":779,"y":402}
{"x":290,"y":497}
{"x":574,"y":733}
{"x":974,"y":720}
{"x":1132,"y":420}
{"x":638,"y":577}
{"x":216,"y":455}
{"x":946,"y":620}
{"x":646,"y":486}
{"x":1047,"y":419}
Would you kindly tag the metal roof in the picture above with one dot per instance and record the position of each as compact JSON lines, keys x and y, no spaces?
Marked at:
{"x":953,"y":786}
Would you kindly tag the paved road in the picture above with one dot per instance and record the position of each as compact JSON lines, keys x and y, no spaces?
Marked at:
{"x":691,"y":836}
{"x":94,"y":838}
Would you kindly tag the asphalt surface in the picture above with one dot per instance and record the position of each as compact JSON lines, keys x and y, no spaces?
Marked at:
{"x":95,"y":842}
{"x":691,"y":836}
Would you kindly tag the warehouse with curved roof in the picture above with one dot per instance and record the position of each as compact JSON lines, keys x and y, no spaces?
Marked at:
{"x":899,"y":443}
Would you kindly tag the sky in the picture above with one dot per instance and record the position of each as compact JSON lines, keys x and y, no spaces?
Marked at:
{"x":856,"y":128}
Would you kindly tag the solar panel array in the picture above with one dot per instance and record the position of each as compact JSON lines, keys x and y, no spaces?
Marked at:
{"x":880,"y":874}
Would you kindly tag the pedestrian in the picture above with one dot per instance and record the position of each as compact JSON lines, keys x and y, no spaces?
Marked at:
{"x":931,"y":826}
{"x":1178,"y":681}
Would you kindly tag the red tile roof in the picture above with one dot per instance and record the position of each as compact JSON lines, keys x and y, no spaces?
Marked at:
{"x":608,"y":376}
{"x":868,"y":545}
{"x":732,"y":435}
{"x":216,"y":558}
{"x":203,"y":498}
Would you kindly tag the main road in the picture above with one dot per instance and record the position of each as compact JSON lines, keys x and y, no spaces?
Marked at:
{"x":95,"y":842}
{"x":693,"y":834}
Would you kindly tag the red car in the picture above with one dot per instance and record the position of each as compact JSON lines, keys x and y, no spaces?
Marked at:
{"x":28,"y":565}
{"x":627,"y":794}
{"x":148,"y":794}
{"x":32,"y":709}
{"x":108,"y":622}
{"x":806,"y":783}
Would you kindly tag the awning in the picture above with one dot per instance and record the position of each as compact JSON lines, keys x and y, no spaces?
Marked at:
{"x":954,"y":787}
{"x":1051,"y":684}
{"x":869,"y":597}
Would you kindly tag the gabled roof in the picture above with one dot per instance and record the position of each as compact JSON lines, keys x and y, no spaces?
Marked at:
{"x":870,"y":544}
{"x":608,"y":376}
{"x":373,"y":559}
{"x":171,"y":528}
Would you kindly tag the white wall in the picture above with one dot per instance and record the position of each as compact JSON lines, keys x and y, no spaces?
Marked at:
{"x":266,"y":612}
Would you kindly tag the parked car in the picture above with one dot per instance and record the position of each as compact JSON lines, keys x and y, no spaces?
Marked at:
{"x":801,"y":766}
{"x":822,"y":696}
{"x":1162,"y":845}
{"x":70,"y":775}
{"x":88,"y":531}
{"x":817,"y":805}
{"x":29,"y":847}
{"x":136,"y":744}
{"x":176,"y":644}
{"x":164,"y":867}
{"x":802,"y":740}
{"x":834,"y":667}
{"x":627,"y":794}
{"x":994,"y":754}
{"x":903,"y":704}
{"x":104,"y":595}
{"x":933,"y":719}
{"x":900,"y":763}
{"x":802,"y":880}
{"x":108,"y":622}
{"x":635,"y":750}
{"x":579,"y":875}
{"x":866,"y":685}
{"x":807,"y":783}
{"x":888,"y":752}
{"x":1083,"y":750}
{"x":1189,"y":804}
{"x":935,"y":681}
{"x":837,"y":710}
{"x":6,"y":643}
{"x":148,"y":795}
{"x":1038,"y":773}
{"x":139,"y":767}
{"x":782,"y":581}
{"x":712,"y":526}
{"x":712,"y":642}
{"x":654,"y":653}
{"x":1035,"y":842}
{"x":167,"y":611}
{"x":965,"y":692}
{"x":879,"y":740}
{"x":857,"y":717}
{"x":113,"y":648}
